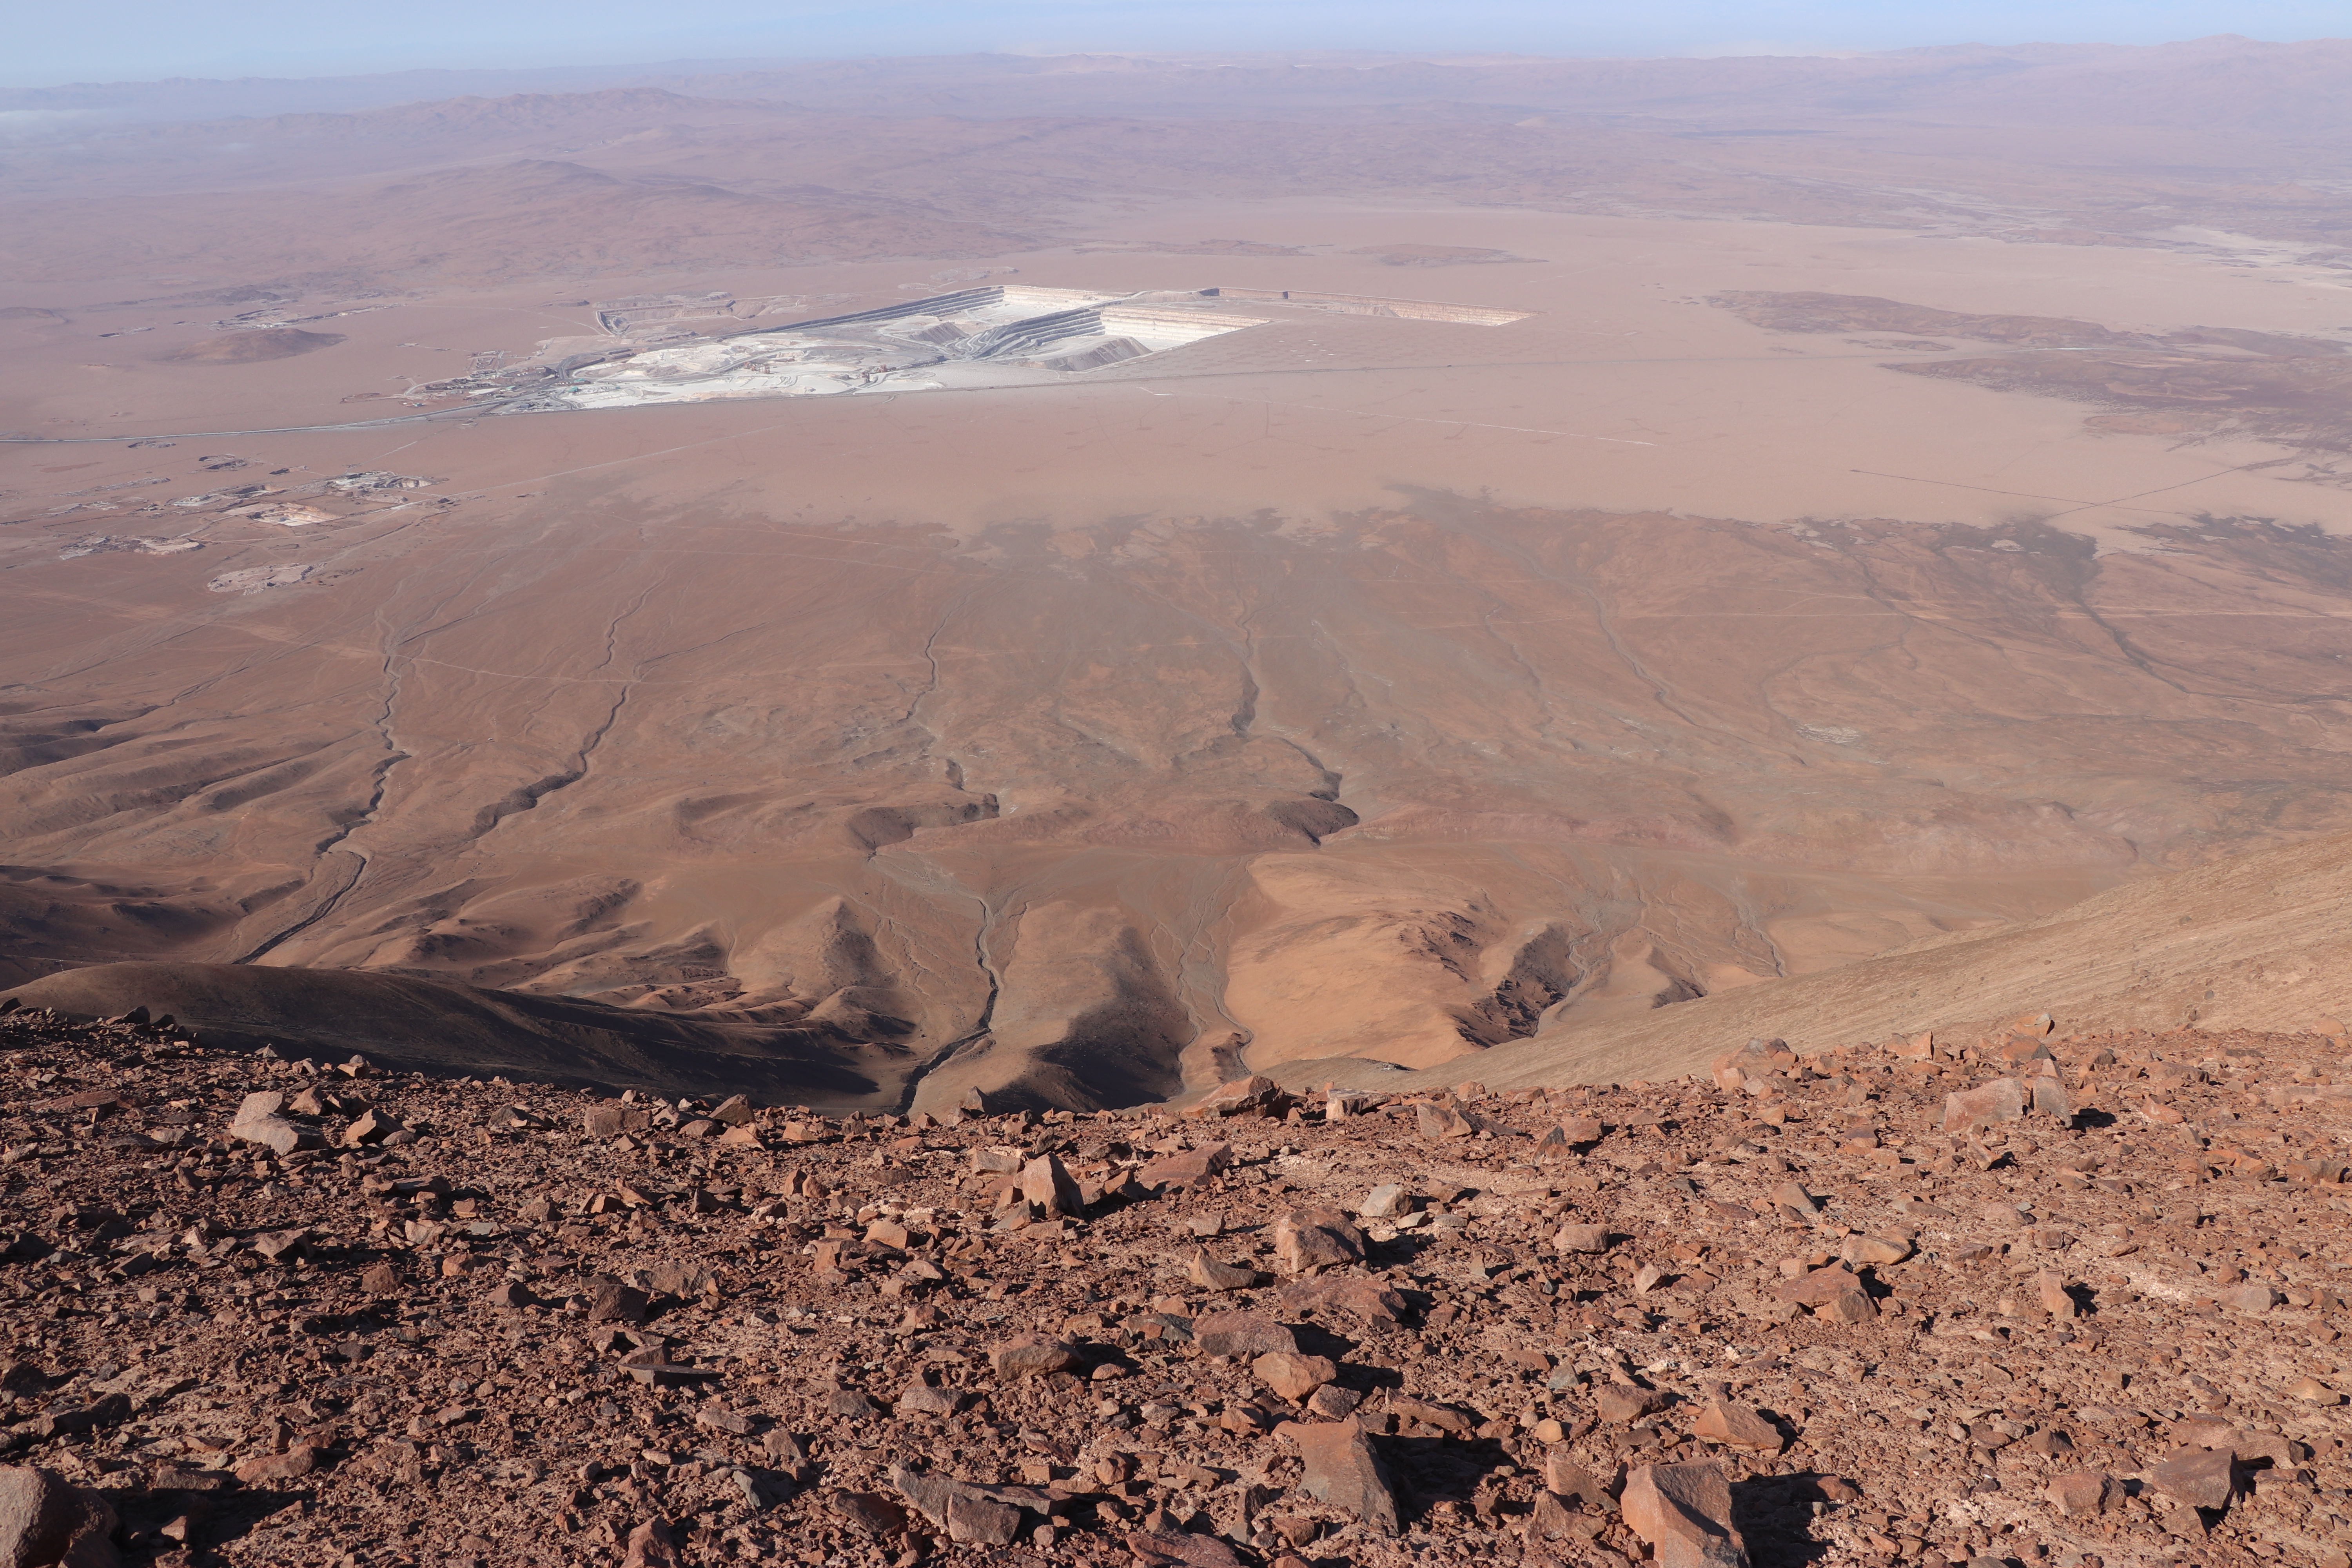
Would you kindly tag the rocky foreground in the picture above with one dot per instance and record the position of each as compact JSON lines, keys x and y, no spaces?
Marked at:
{"x":2041,"y":1299}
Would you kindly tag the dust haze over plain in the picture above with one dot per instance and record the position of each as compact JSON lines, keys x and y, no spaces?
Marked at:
{"x":1080,"y":576}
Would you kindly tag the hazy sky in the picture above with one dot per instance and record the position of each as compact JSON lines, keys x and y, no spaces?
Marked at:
{"x":124,"y":40}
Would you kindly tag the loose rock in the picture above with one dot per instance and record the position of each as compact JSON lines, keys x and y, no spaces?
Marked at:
{"x":1342,"y":1471}
{"x":1684,"y":1512}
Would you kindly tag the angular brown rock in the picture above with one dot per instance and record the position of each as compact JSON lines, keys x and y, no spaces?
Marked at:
{"x":1253,"y":1096}
{"x":1342,"y":1470}
{"x":1440,"y":1123}
{"x":1619,"y":1403}
{"x":1211,"y":1275}
{"x":2002,"y":1099}
{"x":651,"y":1545}
{"x":2082,"y":1491}
{"x":977,"y":1521}
{"x":1180,"y":1549}
{"x":372,"y":1127}
{"x":869,"y":1511}
{"x":1294,"y":1376}
{"x":1333,"y":1402}
{"x":1878,"y":1250}
{"x":2198,"y":1478}
{"x":1046,"y":1184}
{"x":298,"y":1460}
{"x":1816,"y":1287}
{"x":1684,"y":1512}
{"x":257,"y":1120}
{"x":2248,"y":1299}
{"x":1564,"y":1477}
{"x":1848,"y":1307}
{"x":609,"y":1301}
{"x":1365,"y":1299}
{"x":1429,"y":1413}
{"x":1313,"y":1239}
{"x":1190,"y":1169}
{"x":1723,"y":1421}
{"x":1242,"y":1334}
{"x":1032,"y":1355}
{"x":45,"y":1520}
{"x":922,"y":1399}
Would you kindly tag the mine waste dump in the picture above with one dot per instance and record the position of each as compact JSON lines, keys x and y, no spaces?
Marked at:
{"x":991,"y":336}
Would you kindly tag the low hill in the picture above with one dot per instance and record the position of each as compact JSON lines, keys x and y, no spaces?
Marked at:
{"x":2257,"y":942}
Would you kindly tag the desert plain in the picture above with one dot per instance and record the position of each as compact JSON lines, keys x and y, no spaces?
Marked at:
{"x":1731,"y":558}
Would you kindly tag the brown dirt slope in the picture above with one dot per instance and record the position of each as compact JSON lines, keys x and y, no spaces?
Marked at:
{"x":1392,"y":788}
{"x":2257,"y":942}
{"x":444,"y":1026}
{"x":528,"y":1328}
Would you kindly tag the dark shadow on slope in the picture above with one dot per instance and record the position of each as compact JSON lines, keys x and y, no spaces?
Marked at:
{"x":431,"y":1025}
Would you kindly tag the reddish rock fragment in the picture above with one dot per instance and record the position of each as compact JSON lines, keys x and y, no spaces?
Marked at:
{"x":1333,"y":1402}
{"x":1190,"y":1169}
{"x":1438,"y":1123}
{"x":2002,"y":1099}
{"x":651,"y":1545}
{"x":1444,"y":1417}
{"x":1816,"y":1287}
{"x":2197,"y":1478}
{"x":2084,"y":1491}
{"x":2051,"y":1099}
{"x":1032,"y":1355}
{"x":1294,"y":1376}
{"x":373,"y":1126}
{"x":1563,"y":1477}
{"x":1045,"y":1183}
{"x":1364,"y":1298}
{"x":1308,"y":1240}
{"x":1848,"y":1307}
{"x":1253,"y":1095}
{"x":1619,"y":1404}
{"x":1211,"y":1275}
{"x":1684,"y":1512}
{"x":609,"y":1301}
{"x":1874,"y":1249}
{"x":869,"y":1511}
{"x":922,"y":1399}
{"x":976,"y":1522}
{"x":1342,"y":1470}
{"x":1242,"y":1334}
{"x":298,"y":1460}
{"x":44,"y":1520}
{"x":1551,"y":1518}
{"x":257,"y":1120}
{"x":1738,"y":1426}
{"x":1180,"y":1549}
{"x":1582,"y":1239}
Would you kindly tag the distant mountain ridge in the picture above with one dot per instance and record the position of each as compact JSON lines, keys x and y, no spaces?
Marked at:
{"x":2287,"y":88}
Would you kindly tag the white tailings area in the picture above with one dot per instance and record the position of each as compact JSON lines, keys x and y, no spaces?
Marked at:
{"x":993,"y":335}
